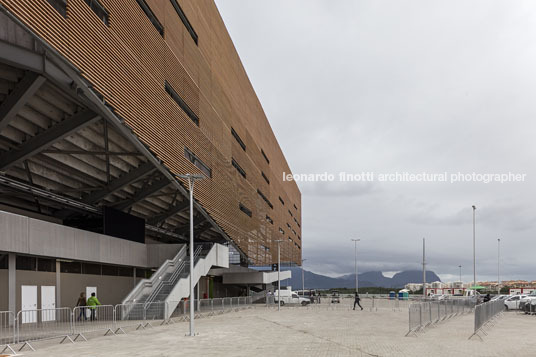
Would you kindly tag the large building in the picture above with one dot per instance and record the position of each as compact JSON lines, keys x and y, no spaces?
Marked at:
{"x":103,"y":105}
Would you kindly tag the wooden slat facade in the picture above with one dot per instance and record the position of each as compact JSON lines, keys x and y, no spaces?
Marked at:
{"x":128,"y":62}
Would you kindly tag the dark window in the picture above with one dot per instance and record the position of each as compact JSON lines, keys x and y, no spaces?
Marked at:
{"x":60,"y":6}
{"x":176,"y":97}
{"x":26,"y":263}
{"x":265,"y":199}
{"x":281,"y":230}
{"x":281,"y":200}
{"x":290,"y":213}
{"x":141,"y":273}
{"x":296,"y":208}
{"x":245,"y":209}
{"x":125,"y":271}
{"x":265,"y":178}
{"x":99,"y":10}
{"x":197,"y":162}
{"x":109,"y":270}
{"x":238,"y":168}
{"x":299,"y":237}
{"x":269,"y":219}
{"x":240,"y":142}
{"x":4,"y":261}
{"x":288,"y":225}
{"x":265,"y":157}
{"x":293,"y":231}
{"x":71,"y":267}
{"x":88,"y":268}
{"x":46,"y":265}
{"x":151,"y":17}
{"x":184,"y":20}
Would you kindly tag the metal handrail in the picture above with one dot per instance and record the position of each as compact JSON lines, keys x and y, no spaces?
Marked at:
{"x":150,"y":282}
{"x":174,"y":277}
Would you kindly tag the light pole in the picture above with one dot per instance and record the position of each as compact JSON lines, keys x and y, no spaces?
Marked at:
{"x":278,"y":273}
{"x":459,"y":266}
{"x":499,"y":266}
{"x":191,"y":180}
{"x":474,"y":247}
{"x":356,"y":278}
{"x":303,"y":277}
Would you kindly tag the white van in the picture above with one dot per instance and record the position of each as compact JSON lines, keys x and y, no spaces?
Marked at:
{"x":290,"y":297}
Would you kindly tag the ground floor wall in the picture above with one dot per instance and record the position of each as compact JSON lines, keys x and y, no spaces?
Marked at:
{"x":110,"y":289}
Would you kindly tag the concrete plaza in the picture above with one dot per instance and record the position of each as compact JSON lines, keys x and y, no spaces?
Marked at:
{"x":316,"y":331}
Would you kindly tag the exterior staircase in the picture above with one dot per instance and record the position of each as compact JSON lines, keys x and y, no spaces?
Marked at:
{"x":171,"y":282}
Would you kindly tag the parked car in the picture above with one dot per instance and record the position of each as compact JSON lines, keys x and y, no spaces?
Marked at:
{"x":527,"y":300}
{"x":500,"y":297}
{"x":335,"y":297}
{"x":439,"y":297}
{"x":290,"y":297}
{"x":512,"y":303}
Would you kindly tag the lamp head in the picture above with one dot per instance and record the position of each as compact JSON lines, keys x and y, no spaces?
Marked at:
{"x":195,"y":177}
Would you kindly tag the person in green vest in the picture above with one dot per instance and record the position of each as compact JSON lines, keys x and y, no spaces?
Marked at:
{"x":92,"y":304}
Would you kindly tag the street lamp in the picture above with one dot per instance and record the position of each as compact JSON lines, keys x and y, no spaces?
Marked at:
{"x":303,"y":277}
{"x":459,"y":266}
{"x":356,"y":279}
{"x":499,"y":266}
{"x":278,"y":272}
{"x":474,"y":247}
{"x":191,"y":180}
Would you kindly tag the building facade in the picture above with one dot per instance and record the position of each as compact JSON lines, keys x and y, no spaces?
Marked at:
{"x":103,"y":104}
{"x":170,"y":71}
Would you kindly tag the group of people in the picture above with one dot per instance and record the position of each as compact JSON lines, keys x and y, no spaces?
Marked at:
{"x":90,"y":304}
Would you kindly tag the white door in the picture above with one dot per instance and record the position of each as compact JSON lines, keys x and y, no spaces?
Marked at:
{"x":90,"y":290}
{"x":29,"y":303}
{"x":48,"y":303}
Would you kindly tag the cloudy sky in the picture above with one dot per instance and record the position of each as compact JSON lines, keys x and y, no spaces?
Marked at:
{"x":401,"y":86}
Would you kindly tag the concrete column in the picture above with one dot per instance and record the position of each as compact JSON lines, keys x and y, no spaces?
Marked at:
{"x":58,"y":284}
{"x":12,"y":282}
{"x":134,"y":278}
{"x":198,"y":297}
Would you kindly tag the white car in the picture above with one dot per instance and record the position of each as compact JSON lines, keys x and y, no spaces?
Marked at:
{"x":500,"y":297}
{"x":512,"y":303}
{"x":290,"y":297}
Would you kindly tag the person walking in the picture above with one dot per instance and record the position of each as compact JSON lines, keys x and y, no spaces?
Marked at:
{"x":357,"y":299}
{"x":81,"y":303}
{"x":92,"y":304}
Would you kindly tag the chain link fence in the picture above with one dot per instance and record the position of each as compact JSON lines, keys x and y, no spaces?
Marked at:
{"x":424,"y":314}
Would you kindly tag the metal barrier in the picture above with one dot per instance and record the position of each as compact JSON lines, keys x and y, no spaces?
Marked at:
{"x":7,"y":331}
{"x":424,"y":314}
{"x":93,"y":319}
{"x":155,"y":313}
{"x":485,"y":313}
{"x":180,"y":313}
{"x":43,"y":324}
{"x":33,"y":325}
{"x":129,"y":315}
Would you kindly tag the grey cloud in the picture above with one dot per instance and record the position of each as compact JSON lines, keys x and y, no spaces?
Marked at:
{"x":335,"y":189}
{"x":389,"y":86}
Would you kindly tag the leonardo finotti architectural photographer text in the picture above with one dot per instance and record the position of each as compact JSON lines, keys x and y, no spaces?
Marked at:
{"x":407,"y":177}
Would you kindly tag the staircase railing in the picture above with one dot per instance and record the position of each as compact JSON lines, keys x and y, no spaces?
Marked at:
{"x":155,"y":278}
{"x":174,"y":277}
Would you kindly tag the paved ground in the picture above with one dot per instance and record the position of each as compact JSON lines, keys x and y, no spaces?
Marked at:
{"x":311,"y":332}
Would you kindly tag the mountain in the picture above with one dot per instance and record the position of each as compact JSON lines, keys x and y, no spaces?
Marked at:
{"x":368,"y":279}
